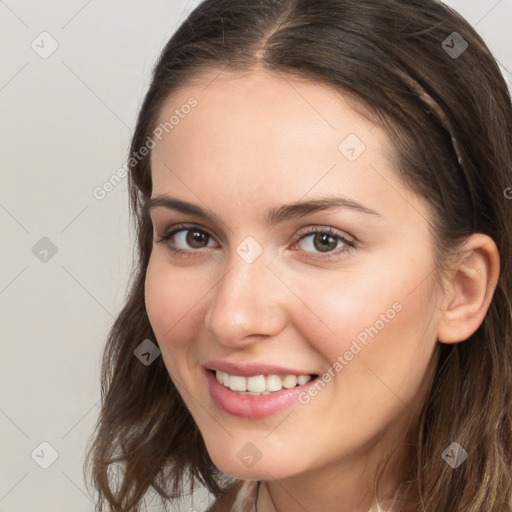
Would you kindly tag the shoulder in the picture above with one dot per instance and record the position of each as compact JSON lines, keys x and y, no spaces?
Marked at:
{"x":240,"y":497}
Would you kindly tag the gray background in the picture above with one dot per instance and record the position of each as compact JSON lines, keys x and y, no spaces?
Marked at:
{"x":66,"y":122}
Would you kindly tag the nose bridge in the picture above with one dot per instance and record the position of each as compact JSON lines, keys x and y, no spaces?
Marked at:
{"x":246,"y":300}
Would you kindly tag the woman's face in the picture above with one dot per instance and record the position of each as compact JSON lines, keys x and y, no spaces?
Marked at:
{"x":255,"y":285}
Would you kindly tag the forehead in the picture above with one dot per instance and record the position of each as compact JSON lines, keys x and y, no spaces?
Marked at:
{"x":272,"y":138}
{"x":267,"y":96}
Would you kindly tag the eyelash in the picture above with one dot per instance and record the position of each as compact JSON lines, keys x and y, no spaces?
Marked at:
{"x":349,"y":244}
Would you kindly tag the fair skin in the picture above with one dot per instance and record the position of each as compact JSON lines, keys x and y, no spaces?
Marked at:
{"x":255,"y":142}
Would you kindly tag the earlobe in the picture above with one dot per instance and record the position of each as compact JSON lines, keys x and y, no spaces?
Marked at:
{"x":470,"y":289}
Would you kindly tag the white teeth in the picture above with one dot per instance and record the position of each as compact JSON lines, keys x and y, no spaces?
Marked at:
{"x":256,"y":383}
{"x":274,"y":383}
{"x":302,"y":379}
{"x":222,"y":377}
{"x":237,"y":383}
{"x":260,"y":384}
{"x":290,"y":381}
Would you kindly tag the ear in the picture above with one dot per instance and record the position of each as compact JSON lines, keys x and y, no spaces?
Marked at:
{"x":469,"y":289}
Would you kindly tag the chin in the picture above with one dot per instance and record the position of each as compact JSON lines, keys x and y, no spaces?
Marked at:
{"x":248,"y":464}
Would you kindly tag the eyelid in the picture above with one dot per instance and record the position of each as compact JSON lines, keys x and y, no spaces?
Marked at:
{"x":318,"y":228}
{"x":184,"y":227}
{"x":350,"y":242}
{"x":303,"y":231}
{"x":177,"y":228}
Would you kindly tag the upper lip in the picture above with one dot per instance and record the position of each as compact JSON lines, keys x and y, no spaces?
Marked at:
{"x":252,"y":369}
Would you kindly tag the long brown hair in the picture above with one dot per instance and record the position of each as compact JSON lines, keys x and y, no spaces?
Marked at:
{"x":448,"y":112}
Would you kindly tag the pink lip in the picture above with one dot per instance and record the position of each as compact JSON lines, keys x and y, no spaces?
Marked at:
{"x":251,"y":369}
{"x":252,"y":406}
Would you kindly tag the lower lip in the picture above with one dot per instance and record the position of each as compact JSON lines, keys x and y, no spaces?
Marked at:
{"x":252,"y":406}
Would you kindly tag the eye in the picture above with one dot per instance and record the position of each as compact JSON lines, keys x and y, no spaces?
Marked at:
{"x":325,"y":241}
{"x":186,"y":239}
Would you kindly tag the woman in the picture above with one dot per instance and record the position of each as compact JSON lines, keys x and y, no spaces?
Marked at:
{"x":320,"y":196}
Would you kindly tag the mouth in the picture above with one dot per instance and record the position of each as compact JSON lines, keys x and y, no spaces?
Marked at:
{"x":253,"y":405}
{"x":257,"y":385}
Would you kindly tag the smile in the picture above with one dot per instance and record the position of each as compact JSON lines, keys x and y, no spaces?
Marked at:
{"x":277,"y":392}
{"x":260,"y":384}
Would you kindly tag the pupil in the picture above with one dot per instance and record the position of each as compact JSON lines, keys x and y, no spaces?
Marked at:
{"x":325,"y":242}
{"x":195,"y":237}
{"x":324,"y":245}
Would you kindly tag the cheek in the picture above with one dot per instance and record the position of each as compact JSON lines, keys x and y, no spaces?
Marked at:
{"x":159,"y":295}
{"x":380,"y":320}
{"x":377,"y":359}
{"x":172,"y":297}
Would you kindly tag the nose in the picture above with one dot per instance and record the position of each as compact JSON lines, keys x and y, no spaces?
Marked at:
{"x":248,"y":303}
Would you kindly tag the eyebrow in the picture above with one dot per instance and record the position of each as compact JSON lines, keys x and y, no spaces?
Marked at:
{"x":274,"y":216}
